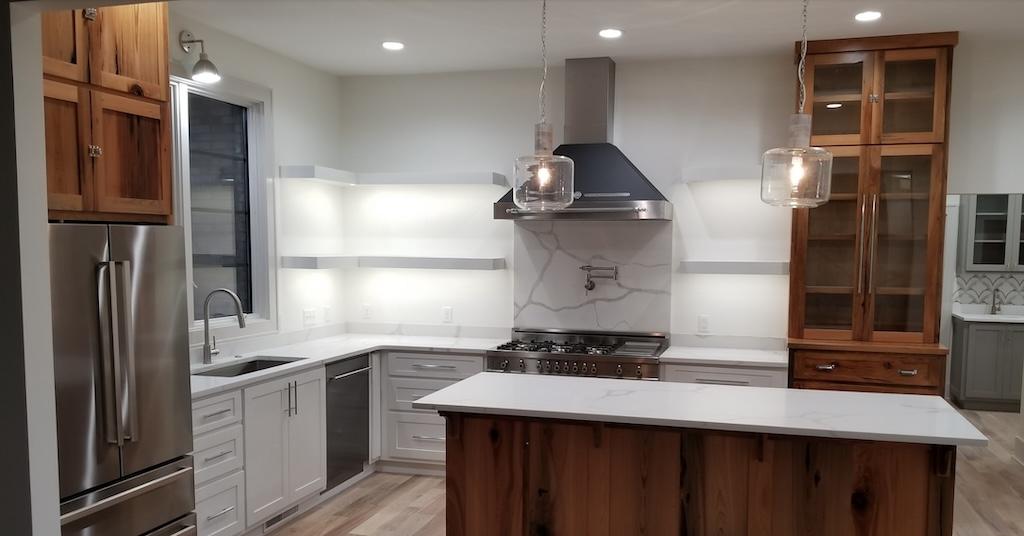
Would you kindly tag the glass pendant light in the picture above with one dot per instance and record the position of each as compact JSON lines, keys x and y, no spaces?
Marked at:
{"x":543,"y":181}
{"x":797,"y":176}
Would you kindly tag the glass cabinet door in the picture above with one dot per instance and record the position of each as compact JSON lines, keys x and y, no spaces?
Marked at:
{"x":838,"y":86}
{"x":1018,"y":265}
{"x":911,"y":88}
{"x":989,"y":231}
{"x":905,"y":240}
{"x":832,"y":256}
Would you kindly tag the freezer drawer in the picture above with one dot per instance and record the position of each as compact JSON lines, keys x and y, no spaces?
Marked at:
{"x":135,"y":505}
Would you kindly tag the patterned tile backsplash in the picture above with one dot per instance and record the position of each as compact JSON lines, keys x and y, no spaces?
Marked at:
{"x":977,"y":288}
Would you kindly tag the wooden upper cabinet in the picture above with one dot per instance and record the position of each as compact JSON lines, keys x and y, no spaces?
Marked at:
{"x":68,"y":137}
{"x":128,"y":49}
{"x":884,"y":90}
{"x":65,"y":44}
{"x":132,"y":173}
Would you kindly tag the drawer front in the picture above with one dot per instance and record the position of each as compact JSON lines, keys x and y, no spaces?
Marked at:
{"x":724,"y":375}
{"x":889,"y":369}
{"x":415,"y":436}
{"x":402,"y":392}
{"x":423,"y":365}
{"x":220,"y":506}
{"x":218,"y":453}
{"x":868,"y":387}
{"x":216,"y":412}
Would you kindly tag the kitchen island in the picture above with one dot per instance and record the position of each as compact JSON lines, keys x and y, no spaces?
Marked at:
{"x":537,"y":454}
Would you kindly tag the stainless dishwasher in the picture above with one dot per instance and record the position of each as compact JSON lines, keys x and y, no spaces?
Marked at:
{"x":348,"y":418}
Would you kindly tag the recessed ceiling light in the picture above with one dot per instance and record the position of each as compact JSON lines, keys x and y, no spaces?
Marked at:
{"x":868,"y":16}
{"x":833,"y":105}
{"x":610,"y":33}
{"x":393,"y":45}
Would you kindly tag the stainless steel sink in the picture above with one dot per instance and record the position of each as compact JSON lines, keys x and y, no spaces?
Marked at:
{"x":245,"y":367}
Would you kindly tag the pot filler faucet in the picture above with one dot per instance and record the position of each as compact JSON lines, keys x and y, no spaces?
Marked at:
{"x":211,"y":350}
{"x":598,"y":272}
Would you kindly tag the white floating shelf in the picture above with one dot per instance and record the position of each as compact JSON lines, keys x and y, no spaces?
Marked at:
{"x":427,"y":263}
{"x":350,"y":178}
{"x":735,"y":267}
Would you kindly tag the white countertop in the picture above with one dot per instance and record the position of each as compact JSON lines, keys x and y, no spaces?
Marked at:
{"x":734,"y":357}
{"x":976,"y":312}
{"x":317,"y":352}
{"x":801,"y":412}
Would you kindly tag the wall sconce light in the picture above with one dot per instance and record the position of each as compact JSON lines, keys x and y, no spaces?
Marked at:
{"x":204,"y":70}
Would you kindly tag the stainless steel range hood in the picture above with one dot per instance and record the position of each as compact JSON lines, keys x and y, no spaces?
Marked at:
{"x":608,"y":186}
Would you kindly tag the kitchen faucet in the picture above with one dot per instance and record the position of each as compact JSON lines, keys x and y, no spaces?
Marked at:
{"x":997,"y":305}
{"x":211,"y":350}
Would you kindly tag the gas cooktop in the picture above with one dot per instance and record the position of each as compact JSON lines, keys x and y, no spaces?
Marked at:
{"x":605,"y":355}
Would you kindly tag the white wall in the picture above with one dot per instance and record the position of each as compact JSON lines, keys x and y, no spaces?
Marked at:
{"x":986,"y":117}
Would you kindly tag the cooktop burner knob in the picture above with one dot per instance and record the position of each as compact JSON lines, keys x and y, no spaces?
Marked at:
{"x":565,"y":367}
{"x":593,"y":369}
{"x":576,"y":368}
{"x":504,"y":365}
{"x":639,"y":371}
{"x":522,"y":365}
{"x":556,"y":367}
{"x":618,"y":370}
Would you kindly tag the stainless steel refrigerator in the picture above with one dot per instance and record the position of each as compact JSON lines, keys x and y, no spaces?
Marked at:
{"x":121,"y":365}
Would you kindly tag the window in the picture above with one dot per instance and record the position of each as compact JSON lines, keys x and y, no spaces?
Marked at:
{"x":219,"y":191}
{"x":222,"y":203}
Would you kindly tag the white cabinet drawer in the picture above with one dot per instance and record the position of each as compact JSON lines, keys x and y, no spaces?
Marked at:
{"x":403,"y":392}
{"x":415,"y":436}
{"x":216,"y":412}
{"x":220,"y":506}
{"x":423,"y":365}
{"x":742,"y":376}
{"x":218,"y":453}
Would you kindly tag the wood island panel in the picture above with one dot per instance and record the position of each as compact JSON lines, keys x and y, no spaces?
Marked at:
{"x":524,"y":476}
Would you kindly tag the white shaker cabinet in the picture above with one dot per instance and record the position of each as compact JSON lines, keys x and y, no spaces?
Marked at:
{"x":284,"y":443}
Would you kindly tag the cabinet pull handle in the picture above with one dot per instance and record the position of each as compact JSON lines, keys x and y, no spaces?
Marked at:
{"x":295,"y":389}
{"x":95,"y":151}
{"x":826,"y":367}
{"x":211,"y":517}
{"x":216,"y":414}
{"x":908,"y":372}
{"x":209,"y":459}
{"x":862,"y":242}
{"x":446,"y":367}
{"x":428,"y":438}
{"x":874,"y":243}
{"x":722,"y":382}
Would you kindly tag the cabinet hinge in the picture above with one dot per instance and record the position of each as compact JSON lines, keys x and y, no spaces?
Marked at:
{"x":89,"y":13}
{"x":95,"y":151}
{"x":873,"y":98}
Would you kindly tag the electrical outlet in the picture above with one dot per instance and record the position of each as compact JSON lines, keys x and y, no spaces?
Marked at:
{"x":308,"y":317}
{"x":447,"y":314}
{"x":704,"y":324}
{"x":327,"y":315}
{"x":367,"y":311}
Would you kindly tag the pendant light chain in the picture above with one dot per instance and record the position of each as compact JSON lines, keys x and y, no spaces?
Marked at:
{"x":544,"y":59}
{"x":803,"y":61}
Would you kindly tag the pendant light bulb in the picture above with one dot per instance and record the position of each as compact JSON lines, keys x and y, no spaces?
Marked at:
{"x":543,"y":180}
{"x":797,"y":176}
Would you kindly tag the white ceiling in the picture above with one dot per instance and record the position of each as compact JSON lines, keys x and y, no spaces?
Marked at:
{"x":344,"y":36}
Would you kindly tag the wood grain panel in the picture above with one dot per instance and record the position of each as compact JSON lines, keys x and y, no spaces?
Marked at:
{"x":644,"y":477}
{"x":128,"y":49}
{"x":886,"y":42}
{"x":67,"y":134}
{"x":65,"y":44}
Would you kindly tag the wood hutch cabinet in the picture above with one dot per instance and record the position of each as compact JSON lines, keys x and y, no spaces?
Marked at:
{"x":865,"y":272}
{"x":107,"y":119}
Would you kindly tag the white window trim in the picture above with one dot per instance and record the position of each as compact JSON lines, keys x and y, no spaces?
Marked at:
{"x":264,"y":319}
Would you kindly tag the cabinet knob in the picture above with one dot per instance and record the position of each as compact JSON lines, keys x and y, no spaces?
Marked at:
{"x":826,"y":367}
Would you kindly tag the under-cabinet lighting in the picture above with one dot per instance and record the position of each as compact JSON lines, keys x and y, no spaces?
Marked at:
{"x":868,"y":16}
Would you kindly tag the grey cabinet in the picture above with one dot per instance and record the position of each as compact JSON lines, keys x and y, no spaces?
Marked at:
{"x":987,"y":365}
{"x":992,"y":229}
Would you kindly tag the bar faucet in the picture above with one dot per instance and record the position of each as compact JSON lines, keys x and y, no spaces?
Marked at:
{"x":211,"y":350}
{"x":997,"y":305}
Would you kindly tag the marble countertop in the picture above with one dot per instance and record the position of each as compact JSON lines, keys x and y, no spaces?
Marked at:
{"x":320,"y":351}
{"x":978,"y":312}
{"x":801,"y":412}
{"x":735,"y":357}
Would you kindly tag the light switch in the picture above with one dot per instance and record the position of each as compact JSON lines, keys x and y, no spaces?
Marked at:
{"x":308,"y":317}
{"x":447,"y":314}
{"x":704,"y":324}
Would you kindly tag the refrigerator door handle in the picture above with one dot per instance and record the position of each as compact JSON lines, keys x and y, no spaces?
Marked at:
{"x":111,"y":383}
{"x":127,"y":349}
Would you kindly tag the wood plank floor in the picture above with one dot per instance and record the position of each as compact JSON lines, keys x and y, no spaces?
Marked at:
{"x":989,"y":495}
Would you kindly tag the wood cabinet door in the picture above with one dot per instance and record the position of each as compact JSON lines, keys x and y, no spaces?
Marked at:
{"x":838,"y":97}
{"x":266,"y":450}
{"x":128,"y":49}
{"x":307,"y":455}
{"x":905,"y":231}
{"x":133,"y":173}
{"x":826,"y":270}
{"x":910,"y":88}
{"x":65,"y":44}
{"x":68,"y":136}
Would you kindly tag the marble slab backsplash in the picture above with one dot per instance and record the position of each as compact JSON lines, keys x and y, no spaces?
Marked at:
{"x":977,"y":288}
{"x":549,"y":285}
